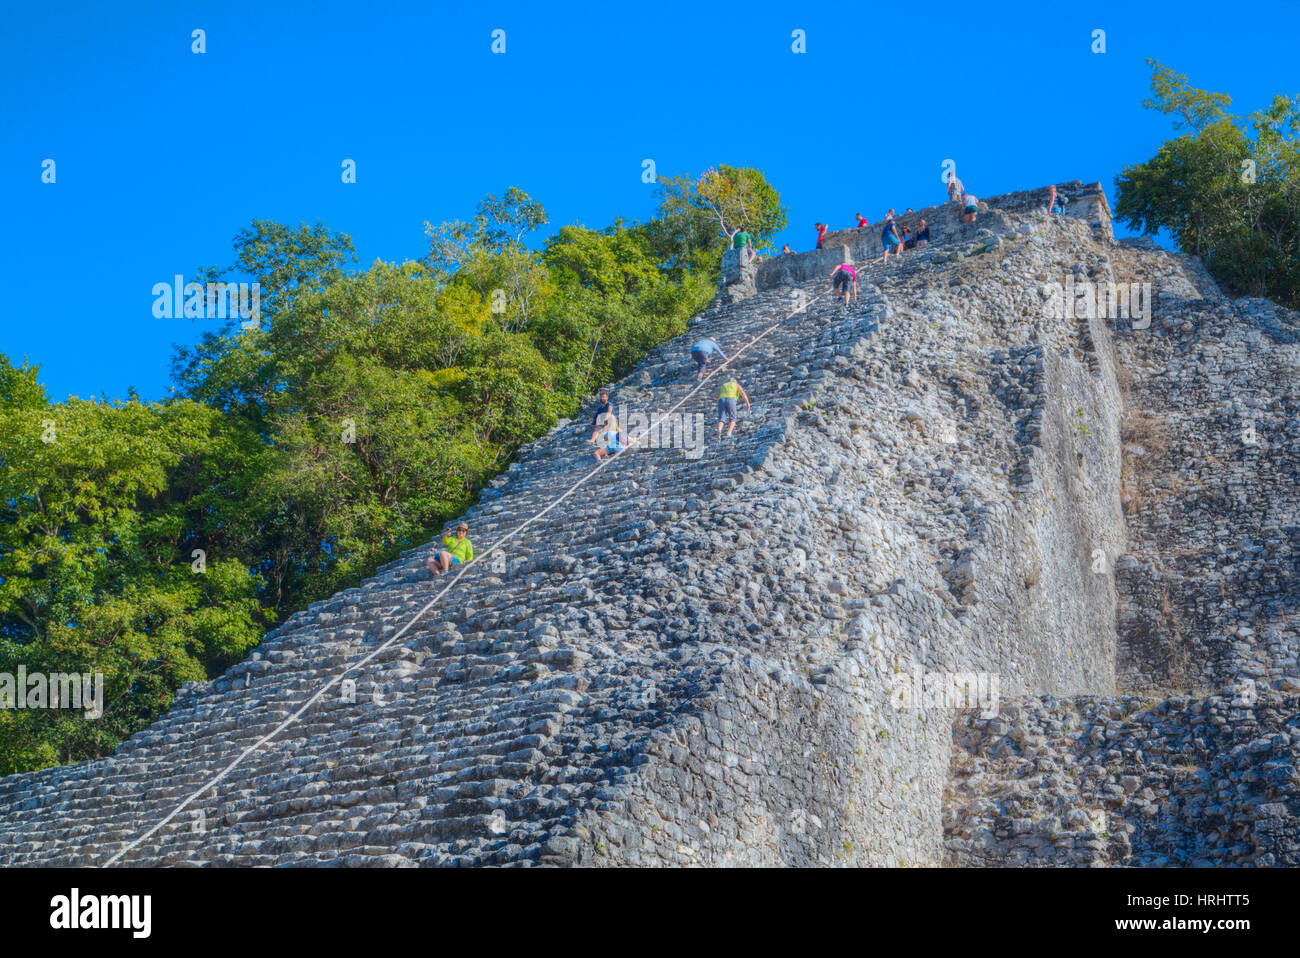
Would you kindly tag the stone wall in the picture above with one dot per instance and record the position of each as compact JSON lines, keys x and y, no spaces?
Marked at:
{"x":1196,"y":765}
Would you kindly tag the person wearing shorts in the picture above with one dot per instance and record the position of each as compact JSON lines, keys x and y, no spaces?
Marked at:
{"x":955,"y":189}
{"x":922,"y":234}
{"x":821,"y":231}
{"x":889,"y":239}
{"x":455,"y":551}
{"x":702,"y":352}
{"x":971,"y":206}
{"x":845,"y":279}
{"x":727,"y":396}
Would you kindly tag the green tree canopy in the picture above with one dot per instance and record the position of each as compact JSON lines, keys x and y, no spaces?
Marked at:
{"x":741,"y":199}
{"x":1226,"y":190}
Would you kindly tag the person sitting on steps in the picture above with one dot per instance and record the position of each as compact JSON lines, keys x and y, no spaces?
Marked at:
{"x":955,"y":189}
{"x":922,"y":235}
{"x":457,"y":551}
{"x":615,"y":441}
{"x":743,"y":242}
{"x":889,"y":238}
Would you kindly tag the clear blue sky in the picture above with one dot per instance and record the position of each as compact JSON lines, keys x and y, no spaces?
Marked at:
{"x":163,"y":155}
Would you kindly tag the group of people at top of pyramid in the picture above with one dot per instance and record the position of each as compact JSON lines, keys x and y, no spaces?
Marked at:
{"x":844,"y":277}
{"x":611,"y":440}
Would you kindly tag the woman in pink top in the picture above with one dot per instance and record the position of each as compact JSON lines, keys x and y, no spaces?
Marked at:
{"x":846,"y":277}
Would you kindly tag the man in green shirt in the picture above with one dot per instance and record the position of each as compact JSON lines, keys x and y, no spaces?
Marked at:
{"x":727,"y":395}
{"x":741,"y":240}
{"x":457,"y":551}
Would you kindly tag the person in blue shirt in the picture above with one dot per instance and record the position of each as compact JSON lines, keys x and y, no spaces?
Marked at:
{"x":604,"y":409}
{"x":889,"y":238}
{"x":702,"y":352}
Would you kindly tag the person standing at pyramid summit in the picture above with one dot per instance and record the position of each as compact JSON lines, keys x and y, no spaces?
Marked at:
{"x":955,"y":189}
{"x":454,"y":551}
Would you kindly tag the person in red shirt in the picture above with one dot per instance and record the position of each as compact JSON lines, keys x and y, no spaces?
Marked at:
{"x":862,"y":222}
{"x":821,"y":231}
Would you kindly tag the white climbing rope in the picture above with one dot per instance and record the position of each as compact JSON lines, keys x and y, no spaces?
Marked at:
{"x":496,"y":547}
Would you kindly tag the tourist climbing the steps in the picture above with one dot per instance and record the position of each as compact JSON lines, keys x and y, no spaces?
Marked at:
{"x":844,"y":277}
{"x":604,"y":409}
{"x":615,"y":441}
{"x":821,"y":231}
{"x":455,"y":551}
{"x":702,"y":352}
{"x":970,"y":206}
{"x":889,"y":238}
{"x":727,"y":396}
